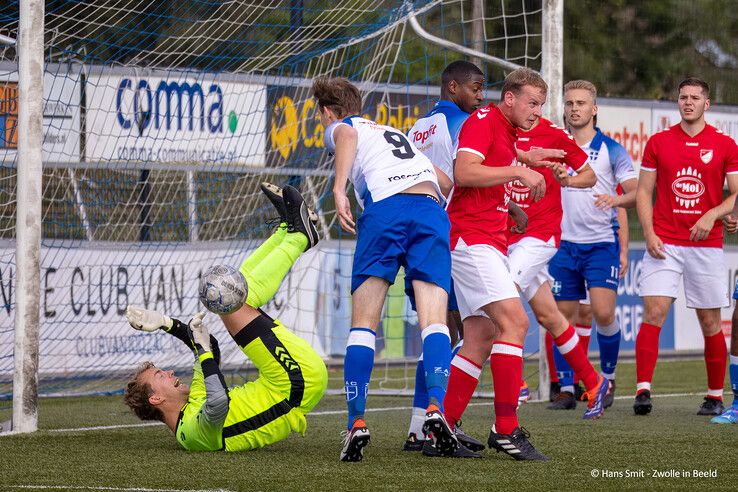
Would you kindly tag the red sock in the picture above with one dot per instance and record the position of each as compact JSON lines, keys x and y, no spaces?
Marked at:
{"x":583,"y":332}
{"x":506,"y":363}
{"x":716,"y":354}
{"x":570,"y":347}
{"x":552,"y":374}
{"x":462,"y":381}
{"x":647,"y":352}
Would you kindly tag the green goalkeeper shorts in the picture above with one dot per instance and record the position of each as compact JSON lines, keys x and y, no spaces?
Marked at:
{"x":292,"y":380}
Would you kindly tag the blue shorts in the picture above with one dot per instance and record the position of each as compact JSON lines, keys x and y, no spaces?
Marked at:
{"x":578,"y":267}
{"x":452,"y":304}
{"x":735,"y":290}
{"x":409,"y":231}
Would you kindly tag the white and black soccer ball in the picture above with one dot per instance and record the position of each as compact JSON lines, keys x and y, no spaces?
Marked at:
{"x":223,"y":289}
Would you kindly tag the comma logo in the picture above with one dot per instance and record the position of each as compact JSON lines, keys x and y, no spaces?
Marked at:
{"x":688,"y":187}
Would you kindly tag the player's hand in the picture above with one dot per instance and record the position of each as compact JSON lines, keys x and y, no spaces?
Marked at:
{"x":542,"y":157}
{"x":623,"y":263}
{"x":561,"y":174}
{"x":534,"y":181}
{"x":199,"y":333}
{"x":730,"y":222}
{"x":147,"y":320}
{"x":521,"y":220}
{"x":604,"y":202}
{"x":655,"y":247}
{"x":701,"y":229}
{"x":343,"y":210}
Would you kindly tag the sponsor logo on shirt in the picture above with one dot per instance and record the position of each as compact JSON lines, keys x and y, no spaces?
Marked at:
{"x":688,"y":187}
{"x":421,"y":137}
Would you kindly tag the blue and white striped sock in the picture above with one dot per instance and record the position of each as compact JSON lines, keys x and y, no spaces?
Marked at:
{"x":357,"y":370}
{"x":436,"y":360}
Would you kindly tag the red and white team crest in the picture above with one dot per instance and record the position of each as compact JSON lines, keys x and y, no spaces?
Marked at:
{"x":706,"y":155}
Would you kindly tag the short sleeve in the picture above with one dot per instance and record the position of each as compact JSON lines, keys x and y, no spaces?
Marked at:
{"x":476,"y":134}
{"x":575,"y":157}
{"x":731,"y":157}
{"x":622,"y":164}
{"x":649,"y":162}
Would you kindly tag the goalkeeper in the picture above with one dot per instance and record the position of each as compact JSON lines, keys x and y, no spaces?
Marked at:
{"x":209,"y":416}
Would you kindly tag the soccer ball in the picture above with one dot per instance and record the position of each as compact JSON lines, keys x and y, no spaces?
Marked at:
{"x":222,"y":289}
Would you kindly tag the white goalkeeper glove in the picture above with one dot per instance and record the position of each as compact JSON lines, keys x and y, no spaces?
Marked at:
{"x":147,"y":319}
{"x":199,"y":333}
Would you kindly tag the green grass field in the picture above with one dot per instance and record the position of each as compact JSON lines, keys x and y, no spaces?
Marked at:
{"x":65,"y":455}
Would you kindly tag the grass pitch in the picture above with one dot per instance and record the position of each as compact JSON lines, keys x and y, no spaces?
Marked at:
{"x":665,"y":450}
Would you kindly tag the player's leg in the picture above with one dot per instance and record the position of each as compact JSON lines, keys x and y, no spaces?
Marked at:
{"x":568,"y":289}
{"x":379,"y":250}
{"x":265,"y":269}
{"x":292,"y":379}
{"x":730,"y":416}
{"x":567,"y":343}
{"x":583,"y":327}
{"x":601,"y":269}
{"x":704,"y":288}
{"x":428,"y":265}
{"x":506,"y":362}
{"x":715,"y":360}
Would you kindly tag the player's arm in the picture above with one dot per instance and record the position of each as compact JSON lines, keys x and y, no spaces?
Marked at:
{"x":730,"y":221}
{"x":626,"y":200}
{"x":519,"y":217}
{"x":644,"y":207}
{"x":539,"y":157}
{"x":148,"y":320}
{"x":701,"y":229}
{"x":469,"y":172}
{"x":584,"y":178}
{"x":207,"y":377}
{"x":346,"y":139}
{"x":444,"y":182}
{"x":623,"y":238}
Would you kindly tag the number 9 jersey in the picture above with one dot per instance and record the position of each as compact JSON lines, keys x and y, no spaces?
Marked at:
{"x":386,"y":163}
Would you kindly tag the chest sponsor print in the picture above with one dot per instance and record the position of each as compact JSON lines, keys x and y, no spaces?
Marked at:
{"x":688,"y":187}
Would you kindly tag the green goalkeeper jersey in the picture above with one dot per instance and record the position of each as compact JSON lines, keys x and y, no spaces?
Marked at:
{"x":257,"y":413}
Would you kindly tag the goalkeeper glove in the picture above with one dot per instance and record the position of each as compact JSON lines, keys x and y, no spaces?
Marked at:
{"x":147,"y":320}
{"x":199,"y":333}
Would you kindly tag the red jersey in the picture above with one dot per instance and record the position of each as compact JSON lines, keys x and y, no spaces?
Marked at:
{"x":690,"y":172}
{"x":479,"y":215}
{"x":544,"y":216}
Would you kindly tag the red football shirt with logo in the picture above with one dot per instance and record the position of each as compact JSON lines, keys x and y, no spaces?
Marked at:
{"x":544,"y":216}
{"x":690,"y":172}
{"x":479,"y":215}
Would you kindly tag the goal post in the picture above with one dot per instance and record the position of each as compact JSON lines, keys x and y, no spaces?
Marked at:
{"x":28,"y":228}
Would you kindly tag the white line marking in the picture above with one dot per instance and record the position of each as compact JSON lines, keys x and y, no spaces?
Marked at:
{"x":121,"y":489}
{"x":325,"y":413}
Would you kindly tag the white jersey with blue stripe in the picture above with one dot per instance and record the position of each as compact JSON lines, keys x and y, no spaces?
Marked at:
{"x":386,"y":163}
{"x":583,"y":222}
{"x":437,"y":135}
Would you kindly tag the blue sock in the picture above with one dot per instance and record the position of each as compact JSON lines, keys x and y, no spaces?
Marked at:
{"x":564,"y":371}
{"x":436,"y":361}
{"x":609,"y":350}
{"x":420,"y":398}
{"x":357,"y":370}
{"x":734,"y":379}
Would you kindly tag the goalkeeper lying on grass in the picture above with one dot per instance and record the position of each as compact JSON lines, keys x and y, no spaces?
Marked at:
{"x":209,"y":416}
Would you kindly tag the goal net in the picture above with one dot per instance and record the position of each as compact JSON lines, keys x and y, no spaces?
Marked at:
{"x":160,"y":121}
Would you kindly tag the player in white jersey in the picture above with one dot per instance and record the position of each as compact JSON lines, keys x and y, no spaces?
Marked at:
{"x":588,"y":259}
{"x":403,"y":224}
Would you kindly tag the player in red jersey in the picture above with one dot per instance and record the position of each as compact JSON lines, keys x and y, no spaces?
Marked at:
{"x":478,"y":208}
{"x":530,"y":252}
{"x":687,"y":165}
